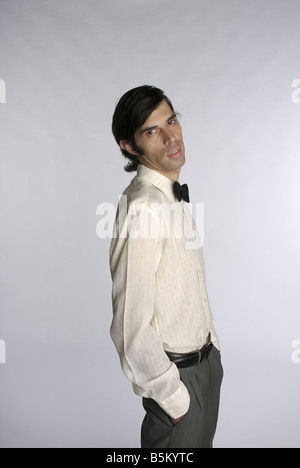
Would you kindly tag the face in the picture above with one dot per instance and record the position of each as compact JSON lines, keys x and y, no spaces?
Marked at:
{"x":160,"y":143}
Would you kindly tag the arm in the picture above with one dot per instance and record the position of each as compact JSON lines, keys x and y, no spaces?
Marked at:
{"x":134,"y":262}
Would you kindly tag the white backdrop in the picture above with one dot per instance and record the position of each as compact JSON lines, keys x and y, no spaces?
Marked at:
{"x":228,"y":67}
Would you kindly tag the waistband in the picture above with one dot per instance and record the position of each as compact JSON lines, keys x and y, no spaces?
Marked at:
{"x":191,"y":359}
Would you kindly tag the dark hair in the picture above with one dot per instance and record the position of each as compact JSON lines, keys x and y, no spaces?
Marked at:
{"x":132,"y":111}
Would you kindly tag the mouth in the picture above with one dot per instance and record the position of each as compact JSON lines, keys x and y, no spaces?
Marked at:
{"x":176,"y":154}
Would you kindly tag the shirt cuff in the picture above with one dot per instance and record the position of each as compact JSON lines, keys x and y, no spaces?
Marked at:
{"x":178,"y":404}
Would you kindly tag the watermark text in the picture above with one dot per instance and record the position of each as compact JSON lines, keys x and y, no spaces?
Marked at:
{"x":296,"y":93}
{"x":140,"y":220}
{"x":2,"y":352}
{"x":296,"y":353}
{"x":2,"y":92}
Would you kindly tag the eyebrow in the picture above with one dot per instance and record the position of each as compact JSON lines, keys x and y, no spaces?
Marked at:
{"x":147,"y":129}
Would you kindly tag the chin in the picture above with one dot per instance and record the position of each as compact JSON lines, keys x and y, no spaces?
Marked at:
{"x":181,"y":163}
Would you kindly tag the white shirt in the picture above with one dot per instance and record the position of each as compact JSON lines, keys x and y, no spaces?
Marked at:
{"x":159,"y":295}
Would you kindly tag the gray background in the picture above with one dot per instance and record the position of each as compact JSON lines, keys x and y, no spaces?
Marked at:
{"x":228,"y":66}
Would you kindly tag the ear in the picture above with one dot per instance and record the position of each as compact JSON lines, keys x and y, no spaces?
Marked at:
{"x":125,"y":145}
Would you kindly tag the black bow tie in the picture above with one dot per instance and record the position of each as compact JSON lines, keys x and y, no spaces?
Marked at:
{"x":181,"y":192}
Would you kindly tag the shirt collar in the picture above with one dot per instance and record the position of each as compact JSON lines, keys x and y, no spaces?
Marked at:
{"x":161,"y":182}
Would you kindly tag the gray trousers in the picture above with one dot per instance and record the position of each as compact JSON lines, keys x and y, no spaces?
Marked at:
{"x":197,"y":428}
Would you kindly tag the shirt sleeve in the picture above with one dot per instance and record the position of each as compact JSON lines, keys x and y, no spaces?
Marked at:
{"x":134,"y":260}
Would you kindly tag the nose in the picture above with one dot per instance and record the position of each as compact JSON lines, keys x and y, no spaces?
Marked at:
{"x":169,"y":137}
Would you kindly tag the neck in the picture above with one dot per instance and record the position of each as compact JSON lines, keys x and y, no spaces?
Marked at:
{"x":175,"y":178}
{"x":172,"y":175}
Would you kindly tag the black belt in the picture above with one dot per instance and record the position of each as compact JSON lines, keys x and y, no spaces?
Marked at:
{"x":191,"y":359}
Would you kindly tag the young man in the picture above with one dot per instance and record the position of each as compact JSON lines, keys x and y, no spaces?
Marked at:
{"x":162,"y":324}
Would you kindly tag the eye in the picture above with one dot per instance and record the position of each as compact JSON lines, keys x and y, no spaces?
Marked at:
{"x":171,"y":122}
{"x":151,"y":132}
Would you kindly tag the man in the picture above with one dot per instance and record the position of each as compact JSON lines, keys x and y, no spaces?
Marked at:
{"x":162,"y":324}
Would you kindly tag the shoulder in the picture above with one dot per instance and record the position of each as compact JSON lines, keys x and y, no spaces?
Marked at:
{"x":142,"y":192}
